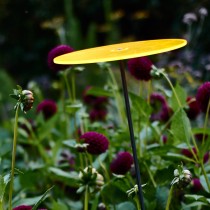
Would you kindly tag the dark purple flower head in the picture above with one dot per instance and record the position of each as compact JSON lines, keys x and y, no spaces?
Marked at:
{"x":164,"y":139}
{"x":193,"y":110}
{"x":161,"y":111}
{"x":201,"y":136}
{"x":58,"y":50}
{"x":203,"y":96}
{"x":188,"y":153}
{"x":206,"y":157}
{"x":140,"y":68}
{"x":48,"y":108}
{"x":196,"y":185}
{"x":22,"y":207}
{"x":122,"y":163}
{"x":98,"y":114}
{"x":97,"y":142}
{"x":95,"y":101}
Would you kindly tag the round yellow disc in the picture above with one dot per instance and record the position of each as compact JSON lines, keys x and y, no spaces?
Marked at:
{"x":120,"y":51}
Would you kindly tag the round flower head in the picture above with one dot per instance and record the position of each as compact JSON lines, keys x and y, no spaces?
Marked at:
{"x":140,"y":68}
{"x":22,"y":207}
{"x":122,"y":163}
{"x":48,"y":108}
{"x":196,"y":185}
{"x":95,"y":101}
{"x":98,"y":114}
{"x":97,"y":142}
{"x":193,"y":110}
{"x":59,"y":50}
{"x":203,"y":96}
{"x":161,"y":111}
{"x":188,"y":153}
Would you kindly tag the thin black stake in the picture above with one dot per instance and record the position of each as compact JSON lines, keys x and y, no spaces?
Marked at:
{"x":133,"y":144}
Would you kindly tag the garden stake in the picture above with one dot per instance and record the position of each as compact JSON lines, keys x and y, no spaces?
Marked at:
{"x":130,"y":125}
{"x":119,"y":52}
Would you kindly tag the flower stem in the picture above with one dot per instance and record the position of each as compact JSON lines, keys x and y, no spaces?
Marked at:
{"x":206,"y":122}
{"x":173,"y":90}
{"x":13,"y":156}
{"x":118,"y":98}
{"x":137,"y":203}
{"x":169,"y":198}
{"x":205,"y":175}
{"x":86,"y":198}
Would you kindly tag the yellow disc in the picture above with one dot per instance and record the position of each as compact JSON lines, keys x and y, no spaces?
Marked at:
{"x":120,"y":51}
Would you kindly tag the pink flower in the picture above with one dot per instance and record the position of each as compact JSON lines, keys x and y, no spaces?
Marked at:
{"x":140,"y":68}
{"x":122,"y":163}
{"x":194,"y":110}
{"x":97,"y":142}
{"x":58,"y":50}
{"x":48,"y":108}
{"x":203,"y":96}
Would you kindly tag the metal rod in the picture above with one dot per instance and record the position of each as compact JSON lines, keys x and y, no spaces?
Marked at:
{"x":130,"y":124}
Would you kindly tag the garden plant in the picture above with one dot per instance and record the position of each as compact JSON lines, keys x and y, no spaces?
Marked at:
{"x":67,"y":145}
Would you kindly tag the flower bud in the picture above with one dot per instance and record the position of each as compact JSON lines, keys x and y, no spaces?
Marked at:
{"x":28,"y":100}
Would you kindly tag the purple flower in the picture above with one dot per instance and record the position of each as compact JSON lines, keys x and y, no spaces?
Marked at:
{"x":48,"y":108}
{"x":122,"y":163}
{"x":203,"y":96}
{"x":97,"y":142}
{"x":196,"y":185}
{"x":95,"y":101}
{"x":22,"y":207}
{"x":98,"y":114}
{"x":58,"y":50}
{"x":140,"y":68}
{"x":161,"y":111}
{"x":193,"y":110}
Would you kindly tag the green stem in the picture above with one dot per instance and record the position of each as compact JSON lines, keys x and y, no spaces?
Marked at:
{"x":169,"y":198}
{"x":65,"y":75}
{"x":150,"y":175}
{"x":86,"y":198}
{"x":118,"y":98}
{"x":73,"y":86}
{"x":137,"y":203}
{"x":205,"y":175}
{"x":1,"y":205}
{"x":172,"y":88}
{"x":13,"y":156}
{"x":206,"y":122}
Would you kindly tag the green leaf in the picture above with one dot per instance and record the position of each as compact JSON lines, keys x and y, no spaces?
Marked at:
{"x":180,"y":127}
{"x":28,"y":201}
{"x":198,"y":198}
{"x":43,"y":197}
{"x":2,"y":188}
{"x":59,"y":205}
{"x":96,"y":91}
{"x":140,"y":106}
{"x":73,"y":108}
{"x":203,"y":182}
{"x":70,"y":178}
{"x":125,"y":206}
{"x":47,"y":127}
{"x":181,"y":94}
{"x":70,"y":143}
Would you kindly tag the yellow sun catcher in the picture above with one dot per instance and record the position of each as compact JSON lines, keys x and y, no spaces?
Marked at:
{"x":120,"y":51}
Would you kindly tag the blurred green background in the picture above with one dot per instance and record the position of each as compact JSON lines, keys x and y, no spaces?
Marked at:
{"x":30,"y":28}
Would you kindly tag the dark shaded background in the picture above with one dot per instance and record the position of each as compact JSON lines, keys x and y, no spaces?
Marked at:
{"x":25,"y":43}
